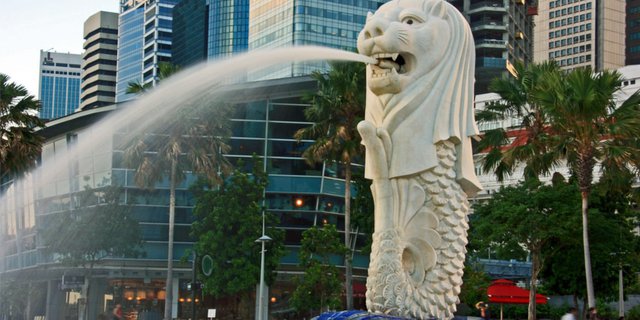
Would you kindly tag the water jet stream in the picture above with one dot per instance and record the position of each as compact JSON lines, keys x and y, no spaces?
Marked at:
{"x":202,"y":81}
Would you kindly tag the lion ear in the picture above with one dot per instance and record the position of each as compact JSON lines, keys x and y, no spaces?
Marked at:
{"x":438,"y":9}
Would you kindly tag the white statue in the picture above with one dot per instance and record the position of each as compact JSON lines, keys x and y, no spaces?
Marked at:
{"x":417,"y":129}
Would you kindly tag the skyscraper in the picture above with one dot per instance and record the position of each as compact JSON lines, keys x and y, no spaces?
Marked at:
{"x":99,"y":60}
{"x":228,"y":29}
{"x":632,"y":32}
{"x":59,"y":84}
{"x":581,"y":33}
{"x":130,"y":41}
{"x":503,"y":33}
{"x":283,"y":23}
{"x":145,"y":38}
{"x":190,"y":32}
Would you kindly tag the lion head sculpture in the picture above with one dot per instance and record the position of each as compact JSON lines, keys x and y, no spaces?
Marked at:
{"x":421,"y":90}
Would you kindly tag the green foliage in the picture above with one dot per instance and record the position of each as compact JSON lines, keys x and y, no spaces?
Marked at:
{"x":527,"y":215}
{"x":362,"y":210}
{"x":474,"y":287}
{"x":613,"y":243}
{"x":229,"y":220}
{"x":336,"y":108}
{"x":633,"y":313}
{"x":320,"y":287}
{"x":98,"y":225}
{"x":19,"y":144}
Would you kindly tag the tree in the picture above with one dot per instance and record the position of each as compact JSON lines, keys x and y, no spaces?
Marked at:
{"x":518,"y":100}
{"x":97,"y":226}
{"x":229,"y":220}
{"x":336,"y":109}
{"x":529,"y":215}
{"x":591,"y":126}
{"x":614,"y":245}
{"x":20,"y":146}
{"x":192,"y":139}
{"x":319,"y":289}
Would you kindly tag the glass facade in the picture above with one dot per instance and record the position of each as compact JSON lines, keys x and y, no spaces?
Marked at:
{"x":158,"y":34}
{"x":228,"y":28}
{"x":190,"y":21}
{"x":130,"y":40}
{"x":300,"y":195}
{"x":59,"y":92}
{"x":328,"y":23}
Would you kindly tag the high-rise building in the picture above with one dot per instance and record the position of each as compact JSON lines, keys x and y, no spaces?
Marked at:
{"x":503,"y":33}
{"x":581,"y":33}
{"x":99,"y":60}
{"x":190,"y":32}
{"x":145,"y":38}
{"x":59,"y":84}
{"x":130,"y":41}
{"x":228,"y":27}
{"x":632,"y":32}
{"x":283,"y":23}
{"x":204,"y":29}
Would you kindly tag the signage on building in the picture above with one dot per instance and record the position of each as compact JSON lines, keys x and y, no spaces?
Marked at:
{"x":70,"y":282}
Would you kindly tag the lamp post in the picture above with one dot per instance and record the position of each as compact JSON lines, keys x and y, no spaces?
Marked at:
{"x":264,"y":239}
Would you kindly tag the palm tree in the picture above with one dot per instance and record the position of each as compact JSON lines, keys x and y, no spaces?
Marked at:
{"x":336,"y":108}
{"x":518,"y":101}
{"x":590,"y":125}
{"x":191,"y":140}
{"x":20,"y":146}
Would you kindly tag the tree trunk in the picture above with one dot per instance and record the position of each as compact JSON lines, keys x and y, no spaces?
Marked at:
{"x":347,"y":236}
{"x":535,"y":269}
{"x":587,"y":255}
{"x":168,"y":302}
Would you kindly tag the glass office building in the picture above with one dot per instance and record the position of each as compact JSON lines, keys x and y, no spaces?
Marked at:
{"x":190,"y":25}
{"x":266,"y":115}
{"x":328,"y":23}
{"x":59,"y":93}
{"x":503,"y":34}
{"x":145,"y":32}
{"x":130,"y":41}
{"x":228,"y":29}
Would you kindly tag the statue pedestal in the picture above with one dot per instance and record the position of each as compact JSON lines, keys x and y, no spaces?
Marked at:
{"x":355,"y":315}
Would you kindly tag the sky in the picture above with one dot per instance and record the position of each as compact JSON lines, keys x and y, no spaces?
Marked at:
{"x":28,"y":26}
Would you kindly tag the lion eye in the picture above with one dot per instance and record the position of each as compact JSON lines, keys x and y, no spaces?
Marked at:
{"x":410,"y":20}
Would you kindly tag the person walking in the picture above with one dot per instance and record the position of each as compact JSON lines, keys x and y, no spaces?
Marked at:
{"x":572,"y":314}
{"x":117,"y":312}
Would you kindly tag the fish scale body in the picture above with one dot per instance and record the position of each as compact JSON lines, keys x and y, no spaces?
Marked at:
{"x":390,"y":279}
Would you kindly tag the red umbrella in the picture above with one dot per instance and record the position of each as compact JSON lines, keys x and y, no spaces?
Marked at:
{"x":505,"y":291}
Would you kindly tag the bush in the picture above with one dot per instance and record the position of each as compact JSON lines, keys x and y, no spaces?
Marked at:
{"x":633,"y":313}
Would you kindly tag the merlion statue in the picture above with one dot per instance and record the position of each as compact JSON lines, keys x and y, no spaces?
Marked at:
{"x":417,"y":128}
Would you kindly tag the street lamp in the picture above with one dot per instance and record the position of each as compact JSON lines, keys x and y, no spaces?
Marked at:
{"x":264,"y":239}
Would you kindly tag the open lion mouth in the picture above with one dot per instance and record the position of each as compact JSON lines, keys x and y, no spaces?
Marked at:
{"x":388,"y":62}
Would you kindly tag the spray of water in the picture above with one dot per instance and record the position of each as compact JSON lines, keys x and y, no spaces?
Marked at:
{"x":204,"y":81}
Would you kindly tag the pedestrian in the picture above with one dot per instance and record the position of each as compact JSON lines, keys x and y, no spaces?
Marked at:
{"x":592,"y":314}
{"x":572,"y":314}
{"x":117,"y":312}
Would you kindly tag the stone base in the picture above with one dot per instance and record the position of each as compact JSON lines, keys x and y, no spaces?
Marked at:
{"x":355,"y":315}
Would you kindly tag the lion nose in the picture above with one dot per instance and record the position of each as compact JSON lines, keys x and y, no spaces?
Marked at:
{"x":374,"y":28}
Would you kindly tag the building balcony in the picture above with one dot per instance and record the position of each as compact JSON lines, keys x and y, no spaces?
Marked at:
{"x":488,"y":25}
{"x":493,"y":63}
{"x":490,"y":5}
{"x":491,"y":43}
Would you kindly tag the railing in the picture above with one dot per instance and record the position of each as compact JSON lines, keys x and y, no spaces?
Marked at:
{"x":491,"y":41}
{"x":493,"y":4}
{"x":492,"y":23}
{"x":491,"y":62}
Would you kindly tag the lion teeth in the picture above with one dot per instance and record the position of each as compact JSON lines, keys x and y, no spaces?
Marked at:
{"x":394,"y":56}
